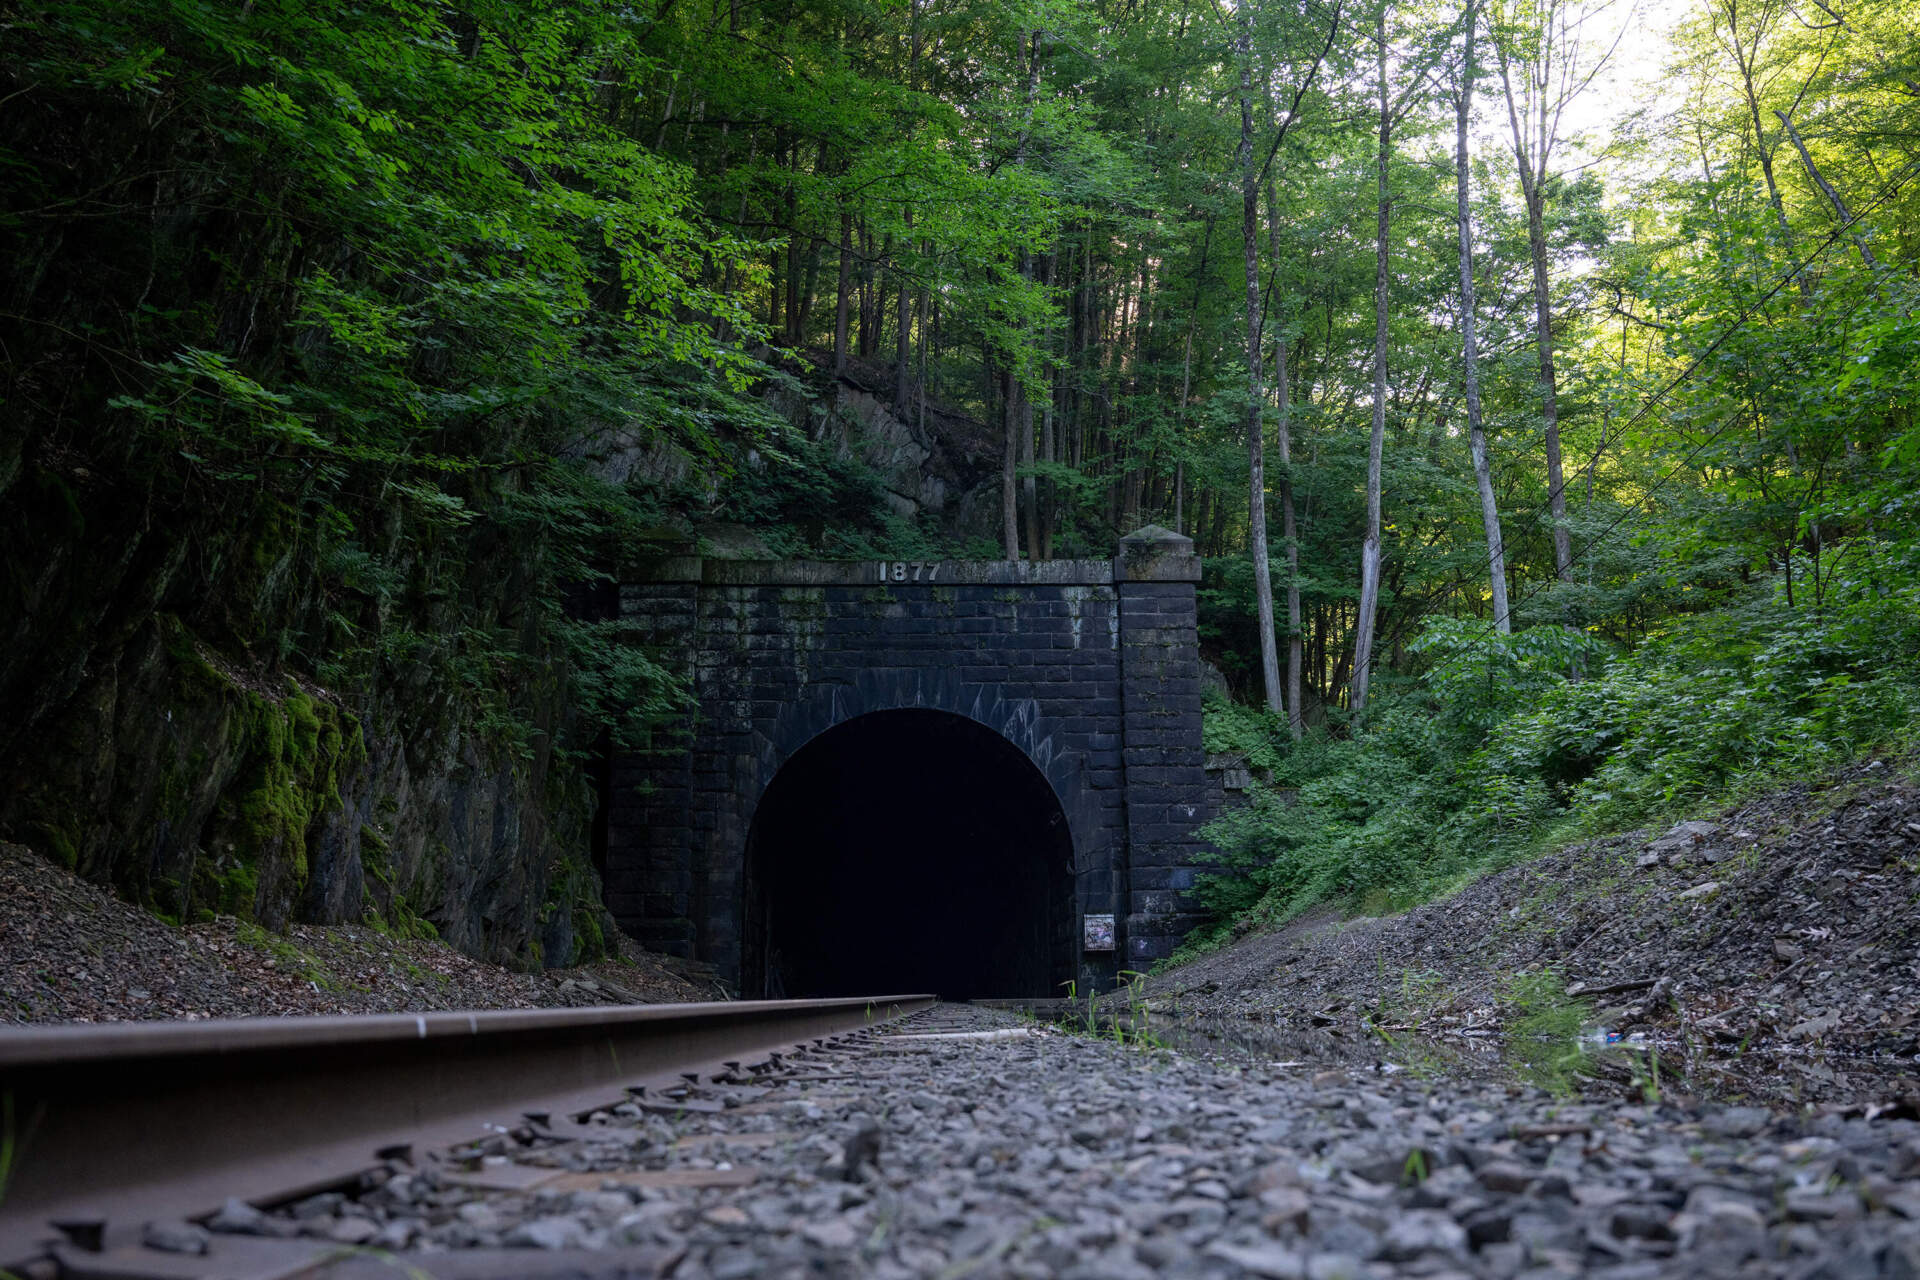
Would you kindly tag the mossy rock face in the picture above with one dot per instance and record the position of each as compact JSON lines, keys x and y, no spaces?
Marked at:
{"x":298,"y":751}
{"x":574,"y":921}
{"x":162,"y":746}
{"x":124,"y":782}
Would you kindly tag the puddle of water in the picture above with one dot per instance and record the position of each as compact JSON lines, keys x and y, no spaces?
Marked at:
{"x":1282,"y":1044}
{"x":1784,"y":1078}
{"x":1777,"y":1076}
{"x":1789,"y":1077}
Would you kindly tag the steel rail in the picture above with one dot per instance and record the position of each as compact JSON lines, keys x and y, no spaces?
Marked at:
{"x":105,"y":1127}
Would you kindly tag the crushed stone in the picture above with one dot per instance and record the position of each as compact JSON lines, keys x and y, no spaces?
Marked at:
{"x":1772,"y":953}
{"x":70,"y":951}
{"x":1045,"y":1154}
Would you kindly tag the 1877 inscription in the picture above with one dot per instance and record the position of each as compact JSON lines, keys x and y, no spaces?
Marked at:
{"x":909,"y":570}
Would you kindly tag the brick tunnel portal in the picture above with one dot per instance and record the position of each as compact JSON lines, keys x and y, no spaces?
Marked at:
{"x":972,"y":777}
{"x":909,"y":850}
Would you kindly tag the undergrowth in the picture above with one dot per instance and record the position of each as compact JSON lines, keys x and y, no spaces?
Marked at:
{"x":1500,"y":753}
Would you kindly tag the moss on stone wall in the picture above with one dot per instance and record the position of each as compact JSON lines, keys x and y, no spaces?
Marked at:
{"x":389,"y":910}
{"x":298,"y":749}
{"x":574,"y":922}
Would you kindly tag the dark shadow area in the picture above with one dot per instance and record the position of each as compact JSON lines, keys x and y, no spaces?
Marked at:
{"x":908,"y":851}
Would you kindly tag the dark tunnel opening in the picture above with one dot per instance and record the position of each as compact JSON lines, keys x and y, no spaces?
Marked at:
{"x":909,"y":851}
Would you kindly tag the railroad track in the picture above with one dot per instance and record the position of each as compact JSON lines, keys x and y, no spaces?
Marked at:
{"x":105,"y":1129}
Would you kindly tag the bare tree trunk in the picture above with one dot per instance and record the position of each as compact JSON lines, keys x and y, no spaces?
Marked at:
{"x":903,"y":340}
{"x":660,"y":135}
{"x":1256,"y":442}
{"x":903,"y":344}
{"x":1049,"y":445}
{"x":1289,"y":531}
{"x":1469,"y":342}
{"x":840,"y":298}
{"x":1370,"y":549}
{"x":785,"y":257}
{"x":1010,"y":462}
{"x":1549,"y":384}
{"x":1743,"y":57}
{"x":1833,"y":197}
{"x":1029,"y":484}
{"x":1018,"y":422}
{"x":926,"y":341}
{"x":1532,"y":164}
{"x":1186,"y":374}
{"x":1028,"y":491}
{"x":1289,"y":534}
{"x":1283,"y":397}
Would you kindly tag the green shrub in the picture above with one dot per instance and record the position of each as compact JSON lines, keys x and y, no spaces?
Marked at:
{"x":1500,"y":751}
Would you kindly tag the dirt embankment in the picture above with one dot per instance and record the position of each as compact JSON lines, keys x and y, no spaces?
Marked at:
{"x":1773,"y":952}
{"x":72,"y":952}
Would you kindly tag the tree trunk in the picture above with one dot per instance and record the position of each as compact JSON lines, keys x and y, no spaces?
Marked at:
{"x":1469,"y":348}
{"x":1743,"y":58}
{"x":1029,"y":494}
{"x":869,"y":313}
{"x":1833,"y":197}
{"x":1018,"y":422}
{"x":1048,"y":445}
{"x":1029,"y":484}
{"x":1549,"y":383}
{"x":1533,"y":181}
{"x":920,"y":380}
{"x":775,"y":257}
{"x":903,"y":353}
{"x":1289,"y":531}
{"x":903,"y":340}
{"x":1370,"y":548}
{"x":790,"y":329}
{"x":1010,"y":462}
{"x":1256,"y":396}
{"x":841,"y":294}
{"x":1186,"y":367}
{"x":1290,"y":535}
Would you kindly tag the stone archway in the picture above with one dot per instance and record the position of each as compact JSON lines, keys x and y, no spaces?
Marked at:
{"x":1088,"y":670}
{"x":909,"y":850}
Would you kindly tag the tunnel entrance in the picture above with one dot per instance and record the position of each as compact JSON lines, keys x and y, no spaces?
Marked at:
{"x":908,"y":851}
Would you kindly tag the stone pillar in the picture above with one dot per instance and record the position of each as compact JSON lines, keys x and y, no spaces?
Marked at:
{"x":1164,"y":765}
{"x":650,"y":823}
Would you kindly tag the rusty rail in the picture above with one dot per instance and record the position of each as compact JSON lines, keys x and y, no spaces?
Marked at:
{"x":104,"y":1127}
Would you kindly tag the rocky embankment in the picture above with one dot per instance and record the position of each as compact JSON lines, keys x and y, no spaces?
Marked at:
{"x":72,"y":952}
{"x":1770,"y":954}
{"x":966,"y":1143}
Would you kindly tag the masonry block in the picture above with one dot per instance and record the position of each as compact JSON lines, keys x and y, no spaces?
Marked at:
{"x":1089,"y":667}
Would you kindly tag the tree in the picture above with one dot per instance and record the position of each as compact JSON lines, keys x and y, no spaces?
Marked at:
{"x":1469,"y":348}
{"x":1363,"y":630}
{"x":1539,"y":45}
{"x":1256,"y":394}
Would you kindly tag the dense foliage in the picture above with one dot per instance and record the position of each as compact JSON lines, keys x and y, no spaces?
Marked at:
{"x":1507,"y":753}
{"x":352,"y":284}
{"x":361,"y":339}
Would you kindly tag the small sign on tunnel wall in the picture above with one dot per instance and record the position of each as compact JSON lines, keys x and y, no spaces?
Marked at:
{"x":1097,"y":933}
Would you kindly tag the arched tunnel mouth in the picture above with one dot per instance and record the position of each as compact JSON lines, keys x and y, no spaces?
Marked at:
{"x":909,"y":850}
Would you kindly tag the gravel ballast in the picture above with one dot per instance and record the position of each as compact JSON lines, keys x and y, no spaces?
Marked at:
{"x":72,"y":952}
{"x":1770,"y":954}
{"x":967,"y":1142}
